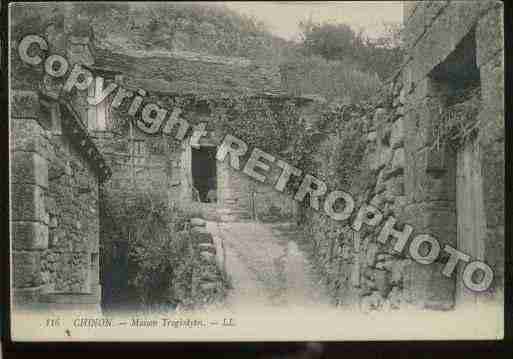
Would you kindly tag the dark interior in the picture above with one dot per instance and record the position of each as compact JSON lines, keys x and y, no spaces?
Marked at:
{"x":459,"y":71}
{"x":204,"y":172}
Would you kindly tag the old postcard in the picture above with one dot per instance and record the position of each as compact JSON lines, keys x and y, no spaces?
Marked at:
{"x":256,"y":171}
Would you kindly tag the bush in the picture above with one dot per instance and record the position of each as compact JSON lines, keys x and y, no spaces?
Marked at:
{"x":164,"y":262}
{"x":338,"y":81}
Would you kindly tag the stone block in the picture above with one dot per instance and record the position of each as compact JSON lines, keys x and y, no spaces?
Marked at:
{"x":492,"y":93}
{"x":382,"y":280}
{"x":380,"y":183}
{"x":29,"y":167}
{"x":25,"y":104}
{"x":29,"y":236}
{"x":397,"y":270}
{"x":207,"y":247}
{"x":378,"y":200}
{"x":397,"y":134}
{"x":50,"y":204}
{"x":436,"y":163}
{"x":26,"y":296}
{"x":425,"y":287}
{"x":402,"y":96}
{"x":208,"y":286}
{"x":380,"y":158}
{"x":398,"y":159}
{"x":27,"y":203}
{"x":489,"y":35}
{"x":493,"y":171}
{"x":371,"y":302}
{"x":198,"y":222}
{"x":208,"y":257}
{"x":371,"y":253}
{"x":26,"y":269}
{"x":395,"y":298}
{"x":372,"y":136}
{"x":436,"y":218}
{"x":385,"y":265}
{"x":209,"y":276}
{"x":395,"y":186}
{"x":28,"y":135}
{"x":380,"y":116}
{"x":399,"y":203}
{"x":201,"y":235}
{"x":433,"y":188}
{"x":73,"y":298}
{"x":390,"y":172}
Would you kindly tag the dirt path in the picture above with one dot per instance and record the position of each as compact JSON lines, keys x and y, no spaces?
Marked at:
{"x":266,"y":267}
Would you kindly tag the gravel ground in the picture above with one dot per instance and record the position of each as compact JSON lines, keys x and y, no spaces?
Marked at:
{"x":266,"y":267}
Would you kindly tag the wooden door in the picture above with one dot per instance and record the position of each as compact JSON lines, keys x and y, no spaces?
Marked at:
{"x":470,"y":212}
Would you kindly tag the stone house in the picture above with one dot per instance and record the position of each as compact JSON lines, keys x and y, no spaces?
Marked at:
{"x":70,"y":161}
{"x":56,"y":171}
{"x":86,"y":164}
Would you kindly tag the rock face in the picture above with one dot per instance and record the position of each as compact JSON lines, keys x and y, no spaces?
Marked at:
{"x":416,"y":184}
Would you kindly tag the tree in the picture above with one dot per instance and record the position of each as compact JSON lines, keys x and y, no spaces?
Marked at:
{"x":381,"y":55}
{"x":331,"y":41}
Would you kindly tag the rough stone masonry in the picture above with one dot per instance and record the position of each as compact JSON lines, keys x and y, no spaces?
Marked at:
{"x":457,"y":196}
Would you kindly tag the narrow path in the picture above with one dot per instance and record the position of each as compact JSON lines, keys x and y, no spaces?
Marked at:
{"x":266,"y":267}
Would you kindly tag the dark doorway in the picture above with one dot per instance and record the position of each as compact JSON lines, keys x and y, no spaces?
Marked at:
{"x":204,"y":173}
{"x":116,"y":294}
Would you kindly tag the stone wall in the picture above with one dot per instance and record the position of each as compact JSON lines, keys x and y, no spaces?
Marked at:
{"x":54,"y":203}
{"x":480,"y":24}
{"x":404,"y":176}
{"x":143,"y":162}
{"x":361,"y":272}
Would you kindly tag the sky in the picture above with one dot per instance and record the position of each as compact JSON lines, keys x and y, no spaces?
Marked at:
{"x":283,"y":17}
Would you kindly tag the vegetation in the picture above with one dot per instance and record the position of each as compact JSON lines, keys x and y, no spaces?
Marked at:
{"x":331,"y":60}
{"x":349,"y":147}
{"x":212,"y":29}
{"x":458,"y":122}
{"x":337,"y":81}
{"x":379,"y":56}
{"x":163,"y":255}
